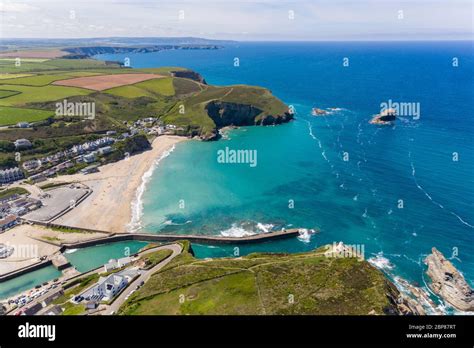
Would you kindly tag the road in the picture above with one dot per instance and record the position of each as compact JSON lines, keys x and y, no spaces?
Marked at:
{"x":176,"y":250}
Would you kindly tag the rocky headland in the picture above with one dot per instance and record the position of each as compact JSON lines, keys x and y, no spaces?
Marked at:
{"x":448,"y":282}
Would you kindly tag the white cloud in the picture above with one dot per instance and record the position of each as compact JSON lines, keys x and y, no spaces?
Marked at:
{"x":242,"y":19}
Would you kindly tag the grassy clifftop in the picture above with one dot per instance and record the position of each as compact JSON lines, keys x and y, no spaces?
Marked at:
{"x":177,"y":96}
{"x":272,"y":284}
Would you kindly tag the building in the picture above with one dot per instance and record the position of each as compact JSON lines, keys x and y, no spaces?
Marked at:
{"x":94,"y":168}
{"x":8,"y":222}
{"x":32,"y":165}
{"x":55,"y":310}
{"x":33,"y":309}
{"x":24,"y":205}
{"x":105,"y":150}
{"x":89,"y":158}
{"x":48,"y":299}
{"x":22,"y":144}
{"x":23,"y":125}
{"x":37,"y":178}
{"x":10,"y":175}
{"x":110,"y":286}
{"x":106,"y":288}
{"x":114,"y":264}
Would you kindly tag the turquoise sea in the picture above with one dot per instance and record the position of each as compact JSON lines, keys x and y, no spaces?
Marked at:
{"x":356,"y":201}
{"x":402,"y":190}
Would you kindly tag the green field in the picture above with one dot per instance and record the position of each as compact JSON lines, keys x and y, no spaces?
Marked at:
{"x":30,"y":94}
{"x":38,"y":80}
{"x":12,"y":76}
{"x":271,"y":284}
{"x":150,"y":88}
{"x":12,"y":115}
{"x":27,"y":65}
{"x":6,"y":93}
{"x":154,"y":258}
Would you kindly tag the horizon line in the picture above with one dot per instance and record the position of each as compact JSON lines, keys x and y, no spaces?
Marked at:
{"x":249,"y":40}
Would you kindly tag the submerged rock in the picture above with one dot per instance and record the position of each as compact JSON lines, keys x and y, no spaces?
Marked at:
{"x":448,"y":282}
{"x":318,"y":112}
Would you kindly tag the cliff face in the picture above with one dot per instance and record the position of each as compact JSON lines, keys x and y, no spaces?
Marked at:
{"x":233,"y":114}
{"x":189,"y":74}
{"x":448,"y":283}
{"x":226,"y":114}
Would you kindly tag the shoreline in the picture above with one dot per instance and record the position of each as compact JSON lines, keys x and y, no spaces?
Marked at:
{"x":136,"y":205}
{"x":114,"y":205}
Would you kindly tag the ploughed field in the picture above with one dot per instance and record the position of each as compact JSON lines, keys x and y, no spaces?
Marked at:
{"x":102,"y":82}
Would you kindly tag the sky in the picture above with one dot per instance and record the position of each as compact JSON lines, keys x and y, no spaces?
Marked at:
{"x":245,"y":20}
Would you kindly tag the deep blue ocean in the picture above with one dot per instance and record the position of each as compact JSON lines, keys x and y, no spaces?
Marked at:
{"x":402,"y":190}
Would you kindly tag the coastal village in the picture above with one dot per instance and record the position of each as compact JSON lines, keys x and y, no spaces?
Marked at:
{"x":73,"y":182}
{"x":28,"y":200}
{"x":84,"y":158}
{"x":88,"y":153}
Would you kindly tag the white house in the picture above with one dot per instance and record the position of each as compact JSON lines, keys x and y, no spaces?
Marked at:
{"x":10,"y":175}
{"x":106,"y":288}
{"x":114,"y":264}
{"x":22,"y":144}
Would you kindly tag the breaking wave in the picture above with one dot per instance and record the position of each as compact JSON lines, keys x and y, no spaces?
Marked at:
{"x":137,"y":204}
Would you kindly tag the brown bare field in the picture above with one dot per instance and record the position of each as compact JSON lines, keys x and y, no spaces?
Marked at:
{"x":45,"y":54}
{"x":102,"y":82}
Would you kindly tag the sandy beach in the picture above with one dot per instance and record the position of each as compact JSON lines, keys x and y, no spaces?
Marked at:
{"x":114,"y":187}
{"x":31,"y":242}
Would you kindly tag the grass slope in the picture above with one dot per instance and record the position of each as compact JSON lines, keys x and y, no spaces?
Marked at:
{"x":150,"y":88}
{"x":30,"y":94}
{"x":32,"y":65}
{"x":275,"y":284}
{"x":12,"y":115}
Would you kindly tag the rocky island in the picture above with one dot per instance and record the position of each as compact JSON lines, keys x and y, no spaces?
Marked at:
{"x":386,"y":117}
